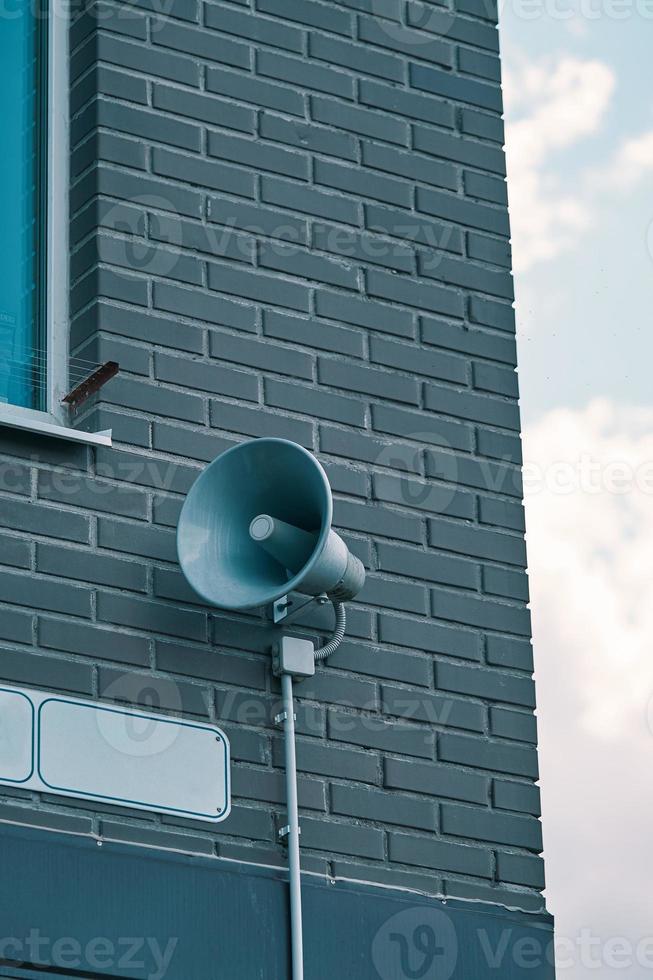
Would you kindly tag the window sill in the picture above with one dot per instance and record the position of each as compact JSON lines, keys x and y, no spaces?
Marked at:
{"x":47,"y":426}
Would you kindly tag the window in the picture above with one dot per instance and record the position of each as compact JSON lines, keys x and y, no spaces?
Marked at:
{"x":34,"y":173}
{"x":24,"y":207}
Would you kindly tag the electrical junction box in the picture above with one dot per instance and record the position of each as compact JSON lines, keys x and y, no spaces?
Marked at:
{"x":295,"y":656}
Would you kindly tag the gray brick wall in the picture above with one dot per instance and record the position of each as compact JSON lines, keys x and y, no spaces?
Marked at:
{"x":289,"y":218}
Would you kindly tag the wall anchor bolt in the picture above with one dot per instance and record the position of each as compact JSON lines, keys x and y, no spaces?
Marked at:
{"x":284,"y":831}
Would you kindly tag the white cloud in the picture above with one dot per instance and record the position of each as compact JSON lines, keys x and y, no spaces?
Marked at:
{"x":550,"y":106}
{"x":589,"y":484}
{"x":590,"y":508}
{"x":632,"y":162}
{"x":566,"y":101}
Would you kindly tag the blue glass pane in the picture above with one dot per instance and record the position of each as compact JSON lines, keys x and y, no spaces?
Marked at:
{"x":22,"y":353}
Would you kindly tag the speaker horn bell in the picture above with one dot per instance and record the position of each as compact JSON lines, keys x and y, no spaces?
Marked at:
{"x":256,"y":525}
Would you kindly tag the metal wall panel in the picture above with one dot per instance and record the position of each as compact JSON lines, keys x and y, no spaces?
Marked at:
{"x":116,"y":911}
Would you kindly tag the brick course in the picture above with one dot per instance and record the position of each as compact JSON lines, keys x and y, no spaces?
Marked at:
{"x":290,"y":219}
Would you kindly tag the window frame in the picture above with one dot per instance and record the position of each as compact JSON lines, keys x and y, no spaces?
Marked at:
{"x":53,"y":418}
{"x":58,"y":232}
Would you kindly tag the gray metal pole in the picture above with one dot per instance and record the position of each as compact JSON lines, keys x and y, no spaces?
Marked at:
{"x":293,"y":831}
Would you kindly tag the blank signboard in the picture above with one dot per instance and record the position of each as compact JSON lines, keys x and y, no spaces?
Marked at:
{"x":134,"y":758}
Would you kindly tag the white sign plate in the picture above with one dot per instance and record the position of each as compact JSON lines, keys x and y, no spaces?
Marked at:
{"x":96,"y":751}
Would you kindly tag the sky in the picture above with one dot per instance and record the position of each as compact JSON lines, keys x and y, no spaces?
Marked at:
{"x":578,"y":91}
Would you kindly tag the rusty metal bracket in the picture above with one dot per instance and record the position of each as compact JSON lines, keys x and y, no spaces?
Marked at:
{"x":78,"y":395}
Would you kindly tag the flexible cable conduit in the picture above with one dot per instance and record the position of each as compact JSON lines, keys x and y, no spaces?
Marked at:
{"x":338,"y":633}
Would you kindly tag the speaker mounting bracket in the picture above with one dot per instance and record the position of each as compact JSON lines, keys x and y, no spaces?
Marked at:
{"x":286,"y":609}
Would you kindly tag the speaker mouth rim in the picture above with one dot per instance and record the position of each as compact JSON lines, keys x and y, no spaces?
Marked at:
{"x":292,"y":585}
